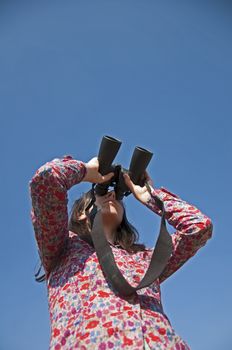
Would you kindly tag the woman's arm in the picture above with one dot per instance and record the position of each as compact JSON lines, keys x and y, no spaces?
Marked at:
{"x":193,"y":228}
{"x":49,"y":213}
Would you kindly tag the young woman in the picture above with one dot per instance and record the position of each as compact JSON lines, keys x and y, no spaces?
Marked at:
{"x":85,"y":311}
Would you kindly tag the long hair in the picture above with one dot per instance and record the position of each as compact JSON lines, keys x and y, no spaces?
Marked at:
{"x":126,"y":235}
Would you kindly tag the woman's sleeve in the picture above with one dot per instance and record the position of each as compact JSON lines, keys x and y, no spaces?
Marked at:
{"x":193,"y":228}
{"x":48,"y":189}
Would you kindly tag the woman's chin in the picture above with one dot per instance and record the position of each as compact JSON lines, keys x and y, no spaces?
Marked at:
{"x":110,"y":215}
{"x":109,"y":206}
{"x":110,"y":211}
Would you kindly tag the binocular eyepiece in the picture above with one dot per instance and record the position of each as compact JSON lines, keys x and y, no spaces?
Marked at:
{"x":108,"y":150}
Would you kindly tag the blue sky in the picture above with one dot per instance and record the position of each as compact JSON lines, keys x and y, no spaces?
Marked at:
{"x":153,"y":74}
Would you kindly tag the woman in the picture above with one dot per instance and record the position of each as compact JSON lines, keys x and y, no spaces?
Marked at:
{"x":85,"y":311}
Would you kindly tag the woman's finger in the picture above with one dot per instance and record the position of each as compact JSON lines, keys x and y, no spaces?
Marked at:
{"x":128,"y":182}
{"x":107,"y":177}
{"x":148,"y":179}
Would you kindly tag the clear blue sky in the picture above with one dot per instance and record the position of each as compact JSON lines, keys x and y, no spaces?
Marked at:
{"x":152,"y":73}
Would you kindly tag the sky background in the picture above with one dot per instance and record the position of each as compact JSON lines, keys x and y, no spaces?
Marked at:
{"x":155,"y":74}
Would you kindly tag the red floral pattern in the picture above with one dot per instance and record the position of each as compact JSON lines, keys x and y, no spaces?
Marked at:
{"x":85,"y":311}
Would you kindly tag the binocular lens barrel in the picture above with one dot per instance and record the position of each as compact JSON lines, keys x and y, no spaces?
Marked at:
{"x":108,"y":150}
{"x":139,"y":162}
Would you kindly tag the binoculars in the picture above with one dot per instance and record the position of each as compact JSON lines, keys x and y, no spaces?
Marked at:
{"x":108,"y":150}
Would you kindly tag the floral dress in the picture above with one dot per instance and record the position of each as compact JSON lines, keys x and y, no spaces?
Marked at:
{"x":85,"y":311}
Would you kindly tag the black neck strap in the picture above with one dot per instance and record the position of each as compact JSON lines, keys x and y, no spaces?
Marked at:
{"x":161,"y":254}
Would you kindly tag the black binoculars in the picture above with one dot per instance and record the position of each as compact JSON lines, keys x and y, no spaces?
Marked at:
{"x":108,"y":150}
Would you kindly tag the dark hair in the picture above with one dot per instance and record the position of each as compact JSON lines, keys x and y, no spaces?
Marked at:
{"x":126,"y":235}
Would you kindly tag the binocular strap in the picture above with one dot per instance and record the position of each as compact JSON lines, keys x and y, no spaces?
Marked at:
{"x":161,"y":254}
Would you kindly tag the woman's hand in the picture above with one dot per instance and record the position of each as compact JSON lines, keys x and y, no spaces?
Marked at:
{"x":140,"y":193}
{"x":93,"y":175}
